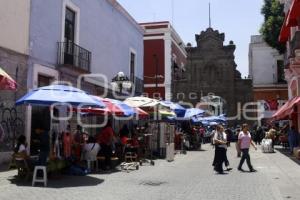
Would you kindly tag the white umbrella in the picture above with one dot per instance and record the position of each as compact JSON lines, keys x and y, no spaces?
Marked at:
{"x":141,"y":102}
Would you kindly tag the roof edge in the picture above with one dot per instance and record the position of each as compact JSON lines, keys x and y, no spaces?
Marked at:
{"x":115,"y":4}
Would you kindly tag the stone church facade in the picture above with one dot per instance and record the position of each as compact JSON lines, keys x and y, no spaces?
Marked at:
{"x":211,"y":69}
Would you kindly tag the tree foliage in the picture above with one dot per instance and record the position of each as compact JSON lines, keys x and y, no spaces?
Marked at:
{"x":272,"y":11}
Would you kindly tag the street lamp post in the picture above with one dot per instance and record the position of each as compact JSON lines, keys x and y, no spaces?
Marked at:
{"x":157,"y":113}
{"x":121,"y":81}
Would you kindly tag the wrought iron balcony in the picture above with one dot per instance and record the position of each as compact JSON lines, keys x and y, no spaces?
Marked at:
{"x":139,"y":86}
{"x":70,"y":54}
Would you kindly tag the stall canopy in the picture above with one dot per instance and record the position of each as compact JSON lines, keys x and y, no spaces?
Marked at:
{"x":286,"y":109}
{"x":51,"y":94}
{"x":119,"y":108}
{"x":210,"y":119}
{"x":290,"y":20}
{"x":285,"y":31}
{"x":293,"y":13}
{"x":175,"y":107}
{"x":6,"y":82}
{"x":141,"y":113}
{"x":141,"y":102}
{"x":165,"y":109}
{"x":126,"y":109}
{"x":191,"y":112}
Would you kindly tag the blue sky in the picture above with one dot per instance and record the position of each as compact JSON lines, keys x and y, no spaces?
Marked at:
{"x":238,"y":19}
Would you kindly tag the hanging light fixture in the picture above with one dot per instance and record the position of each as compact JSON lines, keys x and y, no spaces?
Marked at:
{"x":121,"y":81}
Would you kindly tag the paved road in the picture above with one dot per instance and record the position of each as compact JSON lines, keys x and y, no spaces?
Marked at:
{"x":188,"y":177}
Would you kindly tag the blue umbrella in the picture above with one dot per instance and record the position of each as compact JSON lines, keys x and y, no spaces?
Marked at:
{"x":178,"y":109}
{"x":58,"y":94}
{"x":220,"y":118}
{"x":191,"y":112}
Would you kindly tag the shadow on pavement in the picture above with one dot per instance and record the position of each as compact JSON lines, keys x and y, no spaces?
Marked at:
{"x":286,"y":152}
{"x":5,"y":167}
{"x":61,"y":182}
{"x":112,"y":171}
{"x":196,"y":150}
{"x":222,"y":174}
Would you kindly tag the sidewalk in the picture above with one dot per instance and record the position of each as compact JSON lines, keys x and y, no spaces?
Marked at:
{"x":284,"y":171}
{"x":189,"y":177}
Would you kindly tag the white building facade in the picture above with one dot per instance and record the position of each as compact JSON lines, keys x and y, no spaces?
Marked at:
{"x":266,"y":69}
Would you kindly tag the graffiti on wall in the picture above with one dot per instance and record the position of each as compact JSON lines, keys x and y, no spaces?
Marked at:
{"x":11,"y":126}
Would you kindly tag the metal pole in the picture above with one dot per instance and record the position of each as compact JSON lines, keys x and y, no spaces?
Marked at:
{"x":172,"y":81}
{"x":209,"y":15}
{"x":156,"y":89}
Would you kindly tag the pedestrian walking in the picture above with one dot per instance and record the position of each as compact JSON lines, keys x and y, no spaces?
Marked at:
{"x":228,"y":136}
{"x":220,"y":143}
{"x":259,"y":135}
{"x":237,"y":146}
{"x":244,"y":142}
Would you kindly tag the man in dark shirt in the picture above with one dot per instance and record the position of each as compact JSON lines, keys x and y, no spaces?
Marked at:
{"x":44,"y":146}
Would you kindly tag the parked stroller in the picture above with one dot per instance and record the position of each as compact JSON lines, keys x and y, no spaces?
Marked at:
{"x":147,"y":150}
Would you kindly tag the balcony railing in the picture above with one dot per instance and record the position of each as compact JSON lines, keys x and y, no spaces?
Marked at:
{"x":70,"y":54}
{"x":139,"y":85}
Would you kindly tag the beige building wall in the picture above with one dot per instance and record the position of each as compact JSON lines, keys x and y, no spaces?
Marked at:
{"x":14,"y":25}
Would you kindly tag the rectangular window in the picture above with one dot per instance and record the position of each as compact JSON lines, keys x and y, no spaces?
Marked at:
{"x":43,"y":80}
{"x":69,"y":25}
{"x":69,"y":37}
{"x":132,"y":66}
{"x":280,"y":72}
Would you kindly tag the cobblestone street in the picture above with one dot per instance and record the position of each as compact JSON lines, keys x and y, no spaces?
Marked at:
{"x":189,"y":177}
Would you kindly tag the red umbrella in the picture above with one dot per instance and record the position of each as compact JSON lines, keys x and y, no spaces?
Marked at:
{"x":141,"y":113}
{"x":113,"y":109}
{"x":98,"y":111}
{"x":6,"y":82}
{"x":119,"y":108}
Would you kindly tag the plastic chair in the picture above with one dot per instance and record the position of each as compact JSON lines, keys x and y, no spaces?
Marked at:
{"x":40,"y":180}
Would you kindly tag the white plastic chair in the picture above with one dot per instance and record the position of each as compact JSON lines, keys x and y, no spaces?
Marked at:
{"x":40,"y":180}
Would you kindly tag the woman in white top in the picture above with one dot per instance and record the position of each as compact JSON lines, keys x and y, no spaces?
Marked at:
{"x":91,"y":149}
{"x":244,"y":142}
{"x":21,"y":153}
{"x":20,"y":149}
{"x":220,"y":143}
